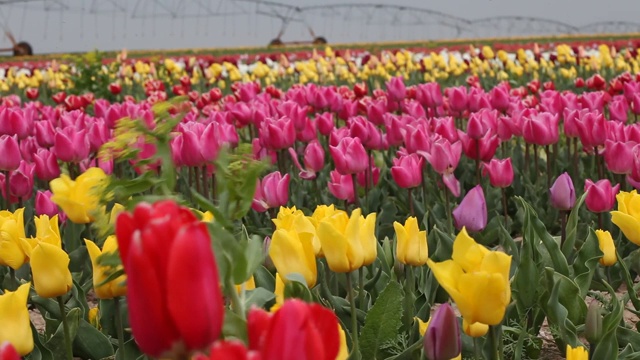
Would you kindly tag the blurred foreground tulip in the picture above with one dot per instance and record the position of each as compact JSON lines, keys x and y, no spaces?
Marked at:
{"x":411,"y":245}
{"x":113,"y":288}
{"x":475,"y":273}
{"x":562,"y":193}
{"x":16,"y":325}
{"x":171,"y":275}
{"x":472,"y":211}
{"x":627,"y":217}
{"x":608,"y":248}
{"x":311,"y":332}
{"x":442,"y":338}
{"x":79,"y":198}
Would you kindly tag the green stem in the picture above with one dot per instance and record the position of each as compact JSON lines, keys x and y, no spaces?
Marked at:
{"x":448,"y":210}
{"x":119,"y":327}
{"x":14,"y":280}
{"x":410,"y":285}
{"x":65,"y":327}
{"x":355,"y":352}
{"x":476,"y":349}
{"x":495,"y":334}
{"x":361,"y":287}
{"x":236,"y":304}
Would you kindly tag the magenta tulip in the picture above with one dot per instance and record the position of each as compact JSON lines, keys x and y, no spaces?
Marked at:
{"x":472,"y":211}
{"x":349,"y":156}
{"x":396,"y":90}
{"x":278,"y":134}
{"x":44,"y":205}
{"x":10,"y":159}
{"x":341,"y":186}
{"x":541,"y":129}
{"x":407,"y":171}
{"x":271,"y":192}
{"x":500,"y":172}
{"x":499,"y":98}
{"x":457,"y":100}
{"x":618,"y":156}
{"x":601,"y":196}
{"x":71,"y":145}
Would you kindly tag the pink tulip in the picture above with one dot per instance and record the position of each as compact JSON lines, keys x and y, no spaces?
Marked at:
{"x":635,"y":104}
{"x":295,"y":113}
{"x":541,"y":129}
{"x":376,"y":110}
{"x":308,"y":133}
{"x":629,"y":90}
{"x":44,"y":132}
{"x":477,"y":126}
{"x":369,"y":176}
{"x":325,"y":123}
{"x":478,"y":100}
{"x":44,"y":205}
{"x":499,"y":98}
{"x":570,"y":101}
{"x":601,"y":196}
{"x":457,"y":100}
{"x":472,"y":211}
{"x":592,"y":128}
{"x":21,"y":181}
{"x":98,"y":134}
{"x":551,"y":101}
{"x":278,"y":134}
{"x":395,"y":127}
{"x":593,"y":101}
{"x":71,"y":145}
{"x":13,"y":122}
{"x":429,"y":95}
{"x":619,"y":110}
{"x":414,"y":108}
{"x":482,"y":149}
{"x":396,"y":90}
{"x":407,"y":171}
{"x":445,"y":127}
{"x":416,"y":137}
{"x":349,"y":156}
{"x":359,"y":128}
{"x":444,"y":156}
{"x":341,"y":186}
{"x":500,"y":172}
{"x":191,"y":149}
{"x":261,"y":153}
{"x":618,"y":156}
{"x":349,"y":109}
{"x":562,"y":193}
{"x":10,"y":159}
{"x":571,"y":122}
{"x":242,"y":113}
{"x":28,"y":147}
{"x":271,"y":192}
{"x":314,"y":156}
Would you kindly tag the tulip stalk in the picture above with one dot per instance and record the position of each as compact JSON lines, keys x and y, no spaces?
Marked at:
{"x":355,"y":352}
{"x":547,"y":149}
{"x":65,"y":328}
{"x":410,"y":197}
{"x":361,"y":286}
{"x":119,"y":327}
{"x":447,"y":207}
{"x":7,"y":189}
{"x":495,"y":336}
{"x":356,"y":200}
{"x":563,"y":227}
{"x":505,"y":208}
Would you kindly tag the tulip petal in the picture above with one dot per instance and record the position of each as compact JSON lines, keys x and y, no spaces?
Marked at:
{"x":50,"y":267}
{"x":490,"y":287}
{"x":467,"y":253}
{"x":629,"y":226}
{"x":14,"y":316}
{"x":334,"y":245}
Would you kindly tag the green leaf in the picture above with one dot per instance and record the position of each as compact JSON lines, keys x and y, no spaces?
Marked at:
{"x":234,"y":326}
{"x":40,"y":351}
{"x":572,"y":227}
{"x":56,"y":343}
{"x":296,"y":287}
{"x":382,"y":321}
{"x":90,"y":343}
{"x":607,"y":348}
{"x":131,"y":349}
{"x":586,"y":263}
{"x":557,"y":313}
{"x":258,"y":297}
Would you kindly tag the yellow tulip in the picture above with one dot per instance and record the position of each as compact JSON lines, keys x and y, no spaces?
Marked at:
{"x":341,"y":242}
{"x":367,"y":234}
{"x":115,"y":211}
{"x":474,"y":330}
{"x":292,"y":252}
{"x":50,"y":267}
{"x":605,"y":241}
{"x":115,"y":287}
{"x":476,"y":279}
{"x":79,"y":198}
{"x":577,"y":353}
{"x":94,"y":317}
{"x":343,"y":354}
{"x":14,"y":317}
{"x":292,"y":219}
{"x":422,"y":325}
{"x":248,"y":285}
{"x":11,"y":234}
{"x":47,"y":230}
{"x":411,"y":245}
{"x":627,"y":217}
{"x":279,"y":292}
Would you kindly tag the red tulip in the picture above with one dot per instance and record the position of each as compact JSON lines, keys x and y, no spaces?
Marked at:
{"x":579,"y":82}
{"x":601,"y":196}
{"x":8,"y":352}
{"x":115,"y":88}
{"x":59,"y":97}
{"x":360,"y":90}
{"x":500,"y":172}
{"x":32,"y":93}
{"x":297,"y":331}
{"x":174,"y":293}
{"x":407,"y":171}
{"x":229,"y":350}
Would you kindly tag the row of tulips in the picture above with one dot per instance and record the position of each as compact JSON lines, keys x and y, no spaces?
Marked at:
{"x":373,"y":272}
{"x":180,"y":75}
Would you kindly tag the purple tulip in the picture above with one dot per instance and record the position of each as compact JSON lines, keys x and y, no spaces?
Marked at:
{"x":472,"y":211}
{"x":563,"y":194}
{"x":442,"y":339}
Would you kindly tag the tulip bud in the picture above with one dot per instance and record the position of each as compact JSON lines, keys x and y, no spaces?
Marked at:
{"x":563,"y":194}
{"x":593,"y":324}
{"x":442,"y":339}
{"x":472,"y":211}
{"x":500,"y":172}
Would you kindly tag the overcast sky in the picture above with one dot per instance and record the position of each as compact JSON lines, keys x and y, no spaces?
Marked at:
{"x":131,"y":24}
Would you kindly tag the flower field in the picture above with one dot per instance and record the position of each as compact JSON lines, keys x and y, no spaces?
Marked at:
{"x":450,"y":203}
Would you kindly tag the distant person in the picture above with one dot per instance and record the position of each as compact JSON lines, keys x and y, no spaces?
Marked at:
{"x":21,"y":48}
